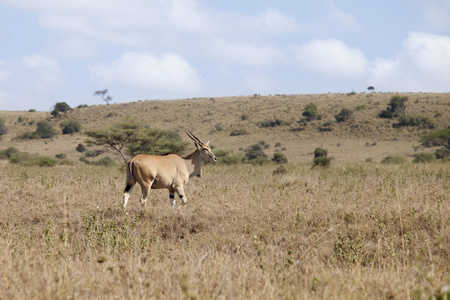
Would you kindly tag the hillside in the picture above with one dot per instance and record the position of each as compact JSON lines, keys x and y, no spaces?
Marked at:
{"x":364,"y":137}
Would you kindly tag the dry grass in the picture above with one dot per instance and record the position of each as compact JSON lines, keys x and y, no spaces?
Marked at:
{"x":351,"y":231}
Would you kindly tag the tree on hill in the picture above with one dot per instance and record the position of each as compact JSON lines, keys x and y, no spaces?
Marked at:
{"x":371,"y":89}
{"x":395,"y":108}
{"x":437,"y":138}
{"x":130,"y":138}
{"x":310,"y":112}
{"x":59,"y":108}
{"x":102,"y":93}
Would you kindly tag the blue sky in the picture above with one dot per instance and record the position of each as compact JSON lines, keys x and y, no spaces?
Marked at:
{"x":63,"y":50}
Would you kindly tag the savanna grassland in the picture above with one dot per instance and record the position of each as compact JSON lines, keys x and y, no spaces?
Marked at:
{"x":355,"y":230}
{"x":359,"y":231}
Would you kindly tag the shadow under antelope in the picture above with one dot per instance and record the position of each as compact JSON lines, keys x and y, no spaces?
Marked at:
{"x":170,"y":171}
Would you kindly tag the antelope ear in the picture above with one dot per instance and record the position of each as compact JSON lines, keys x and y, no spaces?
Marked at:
{"x":207,"y":143}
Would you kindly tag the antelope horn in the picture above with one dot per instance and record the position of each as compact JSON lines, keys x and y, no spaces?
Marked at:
{"x":193,"y":137}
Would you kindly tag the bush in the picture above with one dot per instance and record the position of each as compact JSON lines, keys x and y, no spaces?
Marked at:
{"x":424,"y":157}
{"x":8,"y":153}
{"x":437,"y":138}
{"x":320,"y":152}
{"x":80,"y":148}
{"x":44,"y":130}
{"x":410,"y":120}
{"x":279,"y":158}
{"x":274,"y":123}
{"x":310,"y":112}
{"x":390,"y":160}
{"x":260,"y":160}
{"x":344,"y":115}
{"x":27,"y":159}
{"x":395,"y":108}
{"x":322,"y":161}
{"x":61,"y":156}
{"x":442,"y":153}
{"x":70,"y":126}
{"x":59,"y":108}
{"x":255,"y":151}
{"x":105,"y":161}
{"x":238,"y":132}
{"x":232,"y":159}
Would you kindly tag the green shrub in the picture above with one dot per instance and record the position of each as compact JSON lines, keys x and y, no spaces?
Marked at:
{"x":80,"y":148}
{"x":61,"y":156}
{"x":237,"y":132}
{"x":437,"y":138}
{"x":220,"y":152}
{"x":105,"y":161}
{"x":410,"y":120}
{"x":255,"y":151}
{"x":322,"y":161}
{"x":395,"y":108}
{"x":279,"y":158}
{"x":320,"y":152}
{"x":59,"y":108}
{"x":8,"y":153}
{"x":344,"y":115}
{"x":310,"y":112}
{"x":260,"y":160}
{"x":274,"y":123}
{"x":442,"y":153}
{"x":232,"y":159}
{"x":390,"y":160}
{"x":424,"y":157}
{"x":44,"y":130}
{"x":27,"y":159}
{"x":70,"y":126}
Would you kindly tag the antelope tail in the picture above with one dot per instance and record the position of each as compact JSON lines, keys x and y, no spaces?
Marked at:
{"x":130,"y":179}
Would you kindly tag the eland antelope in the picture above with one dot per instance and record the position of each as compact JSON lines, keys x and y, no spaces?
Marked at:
{"x":169,"y":171}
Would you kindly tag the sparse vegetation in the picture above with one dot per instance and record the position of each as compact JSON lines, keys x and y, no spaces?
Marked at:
{"x":393,"y":159}
{"x":238,"y":132}
{"x":279,"y":158}
{"x":3,"y":128}
{"x":437,"y":138}
{"x":411,"y":120}
{"x":26,"y":159}
{"x":44,"y":130}
{"x":274,"y":123}
{"x":424,"y":157}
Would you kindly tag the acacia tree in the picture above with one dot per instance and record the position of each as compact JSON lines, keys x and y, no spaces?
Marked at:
{"x":129,"y":138}
{"x":102,"y":93}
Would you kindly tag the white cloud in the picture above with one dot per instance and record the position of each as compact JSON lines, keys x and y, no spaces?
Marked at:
{"x":245,"y":54}
{"x":437,"y":13}
{"x":76,"y":48}
{"x":333,"y":58}
{"x":337,"y":15}
{"x":275,"y":22}
{"x":423,"y":65}
{"x":168,"y":72}
{"x":33,"y":75}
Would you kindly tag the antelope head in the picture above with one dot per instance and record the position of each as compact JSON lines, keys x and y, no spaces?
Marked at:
{"x":204,"y":149}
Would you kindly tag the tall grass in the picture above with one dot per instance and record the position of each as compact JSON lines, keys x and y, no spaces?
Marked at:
{"x":349,"y":232}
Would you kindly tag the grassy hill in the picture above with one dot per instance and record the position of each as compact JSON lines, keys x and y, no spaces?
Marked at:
{"x":363,"y":137}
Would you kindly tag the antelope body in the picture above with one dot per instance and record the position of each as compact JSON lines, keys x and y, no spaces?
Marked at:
{"x":169,"y":171}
